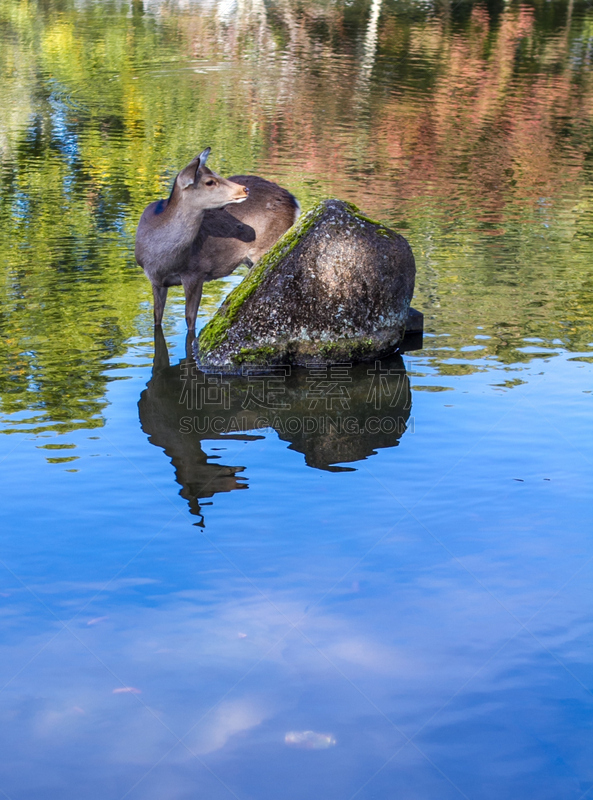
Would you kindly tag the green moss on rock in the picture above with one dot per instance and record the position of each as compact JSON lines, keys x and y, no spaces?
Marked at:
{"x":215,"y":332}
{"x":255,"y":355}
{"x":346,"y":348}
{"x":380,"y":229}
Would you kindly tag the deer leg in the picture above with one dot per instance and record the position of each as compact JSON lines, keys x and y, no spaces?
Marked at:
{"x":161,"y":353}
{"x":189,"y":341}
{"x":192,"y":285}
{"x":159,"y":294}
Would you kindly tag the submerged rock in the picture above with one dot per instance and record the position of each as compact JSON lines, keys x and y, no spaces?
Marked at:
{"x":335,"y":288}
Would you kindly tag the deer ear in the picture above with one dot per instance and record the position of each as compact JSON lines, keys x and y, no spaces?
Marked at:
{"x":203,"y":156}
{"x":187,"y":176}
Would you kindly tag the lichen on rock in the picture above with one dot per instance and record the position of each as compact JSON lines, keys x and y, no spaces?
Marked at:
{"x":336,"y":287}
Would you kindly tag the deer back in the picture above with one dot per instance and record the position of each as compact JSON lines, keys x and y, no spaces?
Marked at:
{"x":242,"y":233}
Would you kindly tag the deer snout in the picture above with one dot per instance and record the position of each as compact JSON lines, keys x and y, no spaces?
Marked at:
{"x":243,"y":194}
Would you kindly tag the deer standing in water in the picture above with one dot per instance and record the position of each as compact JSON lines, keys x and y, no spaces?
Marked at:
{"x":193,"y":237}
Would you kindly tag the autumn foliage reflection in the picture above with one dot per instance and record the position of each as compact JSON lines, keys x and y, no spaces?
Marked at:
{"x":465,"y":125}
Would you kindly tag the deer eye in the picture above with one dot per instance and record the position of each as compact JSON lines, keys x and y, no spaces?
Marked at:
{"x":210,"y":182}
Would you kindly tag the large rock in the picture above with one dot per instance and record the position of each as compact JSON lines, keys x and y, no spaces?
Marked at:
{"x":335,"y":288}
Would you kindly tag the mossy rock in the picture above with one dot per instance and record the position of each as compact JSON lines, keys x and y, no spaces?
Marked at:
{"x":335,"y":288}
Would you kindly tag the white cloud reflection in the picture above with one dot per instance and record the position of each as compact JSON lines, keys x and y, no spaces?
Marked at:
{"x":401,"y":651}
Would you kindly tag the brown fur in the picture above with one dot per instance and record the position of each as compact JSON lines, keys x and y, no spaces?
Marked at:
{"x":203,"y":231}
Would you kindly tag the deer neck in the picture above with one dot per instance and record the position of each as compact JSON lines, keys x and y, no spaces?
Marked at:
{"x":182,"y":224}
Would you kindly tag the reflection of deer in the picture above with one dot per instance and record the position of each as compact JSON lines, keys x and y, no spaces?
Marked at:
{"x":161,"y":409}
{"x":336,"y":418}
{"x":191,"y":237}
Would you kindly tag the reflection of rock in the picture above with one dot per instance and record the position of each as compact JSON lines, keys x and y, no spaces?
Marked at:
{"x":336,"y":287}
{"x":332,"y":414}
{"x":339,"y":414}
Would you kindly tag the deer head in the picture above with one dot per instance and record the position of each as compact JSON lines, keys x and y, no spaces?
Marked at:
{"x":199,"y":188}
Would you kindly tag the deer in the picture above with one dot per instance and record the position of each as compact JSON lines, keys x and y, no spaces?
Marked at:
{"x":193,"y":236}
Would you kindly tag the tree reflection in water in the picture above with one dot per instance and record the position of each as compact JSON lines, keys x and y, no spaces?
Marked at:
{"x":467,"y":126}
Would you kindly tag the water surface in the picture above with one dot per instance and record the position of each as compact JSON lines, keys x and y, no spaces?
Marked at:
{"x":263,"y":611}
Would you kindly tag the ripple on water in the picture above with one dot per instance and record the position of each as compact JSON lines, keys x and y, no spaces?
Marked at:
{"x":296,"y":604}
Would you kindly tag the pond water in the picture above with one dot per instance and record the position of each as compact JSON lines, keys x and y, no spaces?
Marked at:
{"x":391,"y":600}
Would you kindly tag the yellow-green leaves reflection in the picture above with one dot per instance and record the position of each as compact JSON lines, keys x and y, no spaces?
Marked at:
{"x":466,"y":127}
